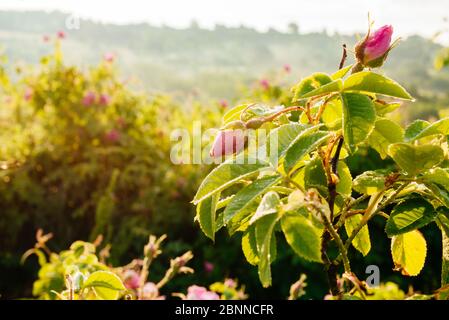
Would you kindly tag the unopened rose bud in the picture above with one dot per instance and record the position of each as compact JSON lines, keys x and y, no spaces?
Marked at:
{"x":228,"y":142}
{"x":255,"y":123}
{"x":237,"y":124}
{"x":374,"y":48}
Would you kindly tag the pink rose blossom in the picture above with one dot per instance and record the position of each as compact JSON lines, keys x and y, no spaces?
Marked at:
{"x":208,"y":267}
{"x":377,"y":44}
{"x":228,"y":142}
{"x":223,"y":103}
{"x":230,"y":283}
{"x":200,"y":293}
{"x":61,"y":35}
{"x":265,"y":84}
{"x":109,"y":57}
{"x":151,"y":292}
{"x":113,"y":135}
{"x":104,"y":99}
{"x":89,"y":99}
{"x":287,"y":68}
{"x":131,"y":279}
{"x":28,"y":95}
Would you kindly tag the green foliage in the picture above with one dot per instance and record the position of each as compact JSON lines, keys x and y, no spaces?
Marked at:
{"x":307,"y":192}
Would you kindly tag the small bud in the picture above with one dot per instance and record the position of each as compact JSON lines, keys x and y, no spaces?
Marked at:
{"x":228,"y":142}
{"x":255,"y":123}
{"x":373,"y":50}
{"x":237,"y":124}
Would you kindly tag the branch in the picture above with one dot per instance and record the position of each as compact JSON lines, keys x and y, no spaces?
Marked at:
{"x":343,"y":58}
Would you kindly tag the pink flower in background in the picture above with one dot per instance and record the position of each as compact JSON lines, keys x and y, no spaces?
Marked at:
{"x":113,"y":135}
{"x":230,"y":283}
{"x":89,"y":99}
{"x":60,"y":35}
{"x":287,"y":68}
{"x":109,"y":57}
{"x":104,"y":99}
{"x":151,"y":292}
{"x":265,"y":84}
{"x":208,"y":266}
{"x":200,"y":293}
{"x":223,"y":103}
{"x":46,"y":38}
{"x":373,"y":50}
{"x":28,"y":95}
{"x":131,"y":279}
{"x":228,"y":142}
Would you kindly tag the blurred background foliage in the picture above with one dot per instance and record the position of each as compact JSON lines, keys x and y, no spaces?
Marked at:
{"x":85,"y":142}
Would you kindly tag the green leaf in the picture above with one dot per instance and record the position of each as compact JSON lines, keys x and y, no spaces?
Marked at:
{"x":362,"y":240}
{"x":227,"y":174}
{"x":409,"y":252}
{"x":310,"y":84}
{"x":422,"y":130}
{"x":384,"y":108}
{"x":106,"y":284}
{"x":332,"y":115}
{"x":206,"y":215}
{"x":415,"y":128}
{"x":414,"y":159}
{"x":281,"y":138}
{"x":371,"y":82}
{"x":303,"y":236}
{"x":334,"y":86}
{"x":264,"y":234}
{"x":439,"y":192}
{"x":385,"y":133}
{"x":437,"y":175}
{"x":234,"y":113}
{"x":409,"y":215}
{"x":305,"y":144}
{"x":369,"y":182}
{"x":249,"y":246}
{"x":315,"y":177}
{"x":359,"y":117}
{"x":268,"y":205}
{"x":341,"y":73}
{"x":247,"y":195}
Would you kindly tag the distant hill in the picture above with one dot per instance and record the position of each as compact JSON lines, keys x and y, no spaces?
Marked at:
{"x":214,"y":63}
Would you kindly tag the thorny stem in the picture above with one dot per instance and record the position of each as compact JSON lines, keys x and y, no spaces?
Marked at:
{"x":345,"y":211}
{"x":334,"y":234}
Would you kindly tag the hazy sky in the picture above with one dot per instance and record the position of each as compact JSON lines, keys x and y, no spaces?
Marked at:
{"x":346,"y":16}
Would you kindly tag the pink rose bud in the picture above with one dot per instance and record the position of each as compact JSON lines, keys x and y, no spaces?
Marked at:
{"x":89,"y":99}
{"x":61,"y":35}
{"x":28,"y":95}
{"x":131,"y":279}
{"x":223,"y":103}
{"x":104,"y":99}
{"x":109,"y":57}
{"x":265,"y":84}
{"x":150,"y":291}
{"x":230,"y":283}
{"x":287,"y":68}
{"x":200,"y":293}
{"x":208,"y":267}
{"x":113,"y":135}
{"x":228,"y":142}
{"x":372,"y":50}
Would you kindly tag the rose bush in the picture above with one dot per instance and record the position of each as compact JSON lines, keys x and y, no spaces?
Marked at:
{"x":301,"y":187}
